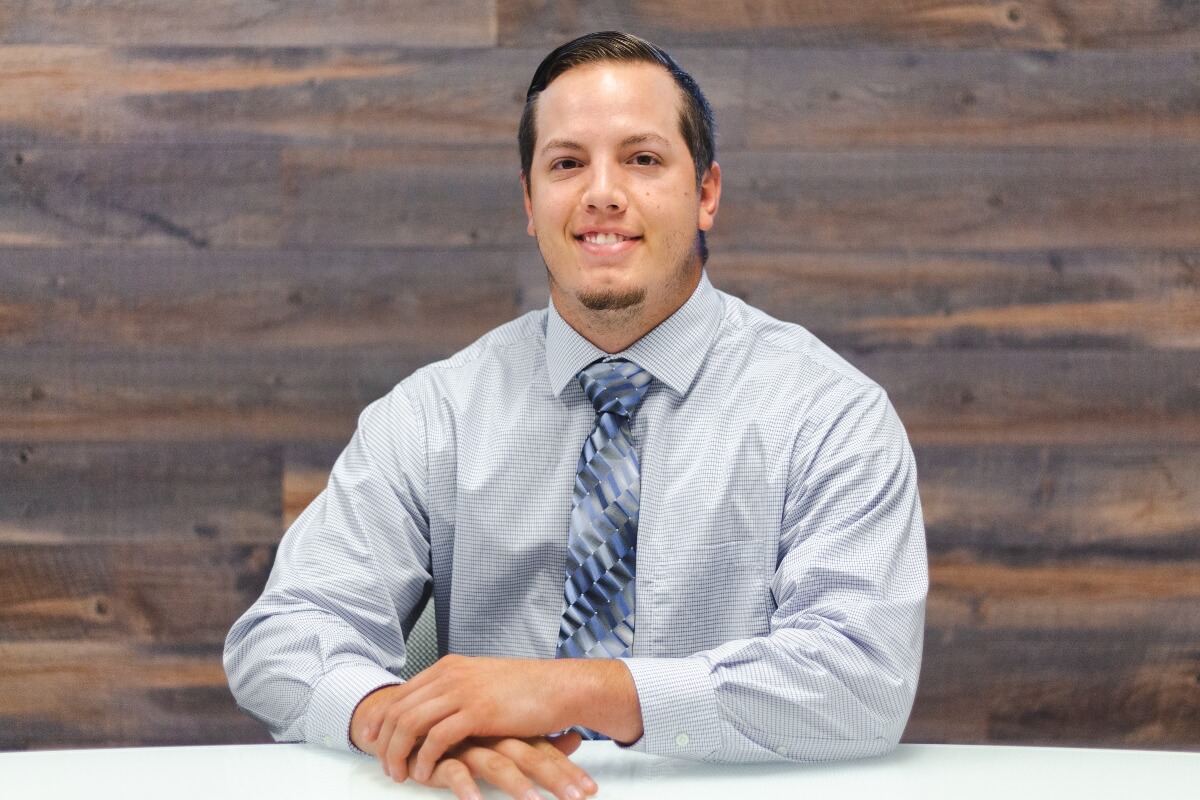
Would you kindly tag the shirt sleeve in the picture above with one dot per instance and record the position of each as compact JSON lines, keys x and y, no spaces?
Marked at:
{"x":836,"y":675}
{"x":349,"y":579}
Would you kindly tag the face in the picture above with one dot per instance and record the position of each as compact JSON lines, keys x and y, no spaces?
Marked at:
{"x":612,"y":196}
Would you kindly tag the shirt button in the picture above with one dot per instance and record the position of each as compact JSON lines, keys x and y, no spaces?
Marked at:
{"x":682,"y":740}
{"x":329,"y":741}
{"x":781,"y":751}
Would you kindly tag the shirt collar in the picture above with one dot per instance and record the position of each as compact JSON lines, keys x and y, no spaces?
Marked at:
{"x":672,"y":352}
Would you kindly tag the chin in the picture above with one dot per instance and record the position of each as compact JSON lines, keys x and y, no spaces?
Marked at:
{"x":611,"y":299}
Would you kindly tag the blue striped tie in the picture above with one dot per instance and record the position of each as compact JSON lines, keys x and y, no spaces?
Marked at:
{"x":598,"y":617}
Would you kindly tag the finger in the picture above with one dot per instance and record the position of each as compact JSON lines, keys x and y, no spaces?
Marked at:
{"x":544,"y":762}
{"x":454,"y":775}
{"x":405,"y":728}
{"x":440,"y":738}
{"x":403,"y":696}
{"x":382,"y":741}
{"x":500,"y":771}
{"x":566,"y":743}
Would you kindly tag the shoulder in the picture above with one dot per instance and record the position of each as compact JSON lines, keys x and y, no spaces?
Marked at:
{"x":755,"y":342}
{"x":513,"y":352}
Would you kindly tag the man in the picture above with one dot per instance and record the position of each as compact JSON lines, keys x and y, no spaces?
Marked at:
{"x":742,"y":530}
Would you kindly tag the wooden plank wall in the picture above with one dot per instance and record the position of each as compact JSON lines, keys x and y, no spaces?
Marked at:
{"x":224,"y":228}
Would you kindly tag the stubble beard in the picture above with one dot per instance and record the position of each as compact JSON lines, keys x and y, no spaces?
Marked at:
{"x":611,"y":300}
{"x":623,"y":305}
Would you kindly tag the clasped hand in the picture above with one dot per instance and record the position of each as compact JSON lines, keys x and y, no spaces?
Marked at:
{"x":489,"y":718}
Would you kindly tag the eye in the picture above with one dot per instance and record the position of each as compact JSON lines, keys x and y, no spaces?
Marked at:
{"x":645,"y":160}
{"x":565,"y":163}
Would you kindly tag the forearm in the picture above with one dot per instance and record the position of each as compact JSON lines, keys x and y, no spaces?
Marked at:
{"x":800,"y":694}
{"x":600,"y":694}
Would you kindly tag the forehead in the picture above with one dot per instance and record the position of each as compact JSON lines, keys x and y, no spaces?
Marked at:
{"x":610,"y":97}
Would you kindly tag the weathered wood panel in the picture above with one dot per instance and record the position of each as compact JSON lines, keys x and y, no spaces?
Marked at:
{"x":75,"y":493}
{"x":1019,"y":24}
{"x":1027,"y":395}
{"x":268,"y":299}
{"x":1091,"y":653}
{"x":953,"y":199}
{"x":346,"y":96}
{"x":1029,"y":505}
{"x":85,"y":693}
{"x":773,"y":99}
{"x":412,"y":197}
{"x":862,"y":301}
{"x":165,"y":592}
{"x":180,"y":196}
{"x":106,"y":393}
{"x":255,"y":22}
{"x":837,"y":99}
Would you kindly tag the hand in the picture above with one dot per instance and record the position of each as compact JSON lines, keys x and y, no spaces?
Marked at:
{"x":516,"y":767}
{"x":460,"y":697}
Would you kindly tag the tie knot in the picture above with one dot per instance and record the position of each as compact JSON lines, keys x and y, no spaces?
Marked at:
{"x":614,"y":386}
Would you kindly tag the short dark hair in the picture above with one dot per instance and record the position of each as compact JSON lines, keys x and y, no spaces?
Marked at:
{"x":695,"y":114}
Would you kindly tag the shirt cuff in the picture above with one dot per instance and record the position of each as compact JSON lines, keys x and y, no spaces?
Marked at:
{"x":680,"y":714}
{"x":334,"y":699}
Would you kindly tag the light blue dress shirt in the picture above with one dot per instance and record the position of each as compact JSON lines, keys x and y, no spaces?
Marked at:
{"x":781,"y":568}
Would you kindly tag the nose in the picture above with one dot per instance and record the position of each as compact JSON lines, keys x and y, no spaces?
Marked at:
{"x":604,"y":190}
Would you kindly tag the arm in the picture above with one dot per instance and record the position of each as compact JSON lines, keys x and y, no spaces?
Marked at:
{"x":461,"y":697}
{"x":836,"y":675}
{"x":326,"y":635}
{"x":327,"y":629}
{"x":834,"y":678}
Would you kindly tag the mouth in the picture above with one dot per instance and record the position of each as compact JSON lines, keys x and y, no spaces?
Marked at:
{"x":593,"y":237}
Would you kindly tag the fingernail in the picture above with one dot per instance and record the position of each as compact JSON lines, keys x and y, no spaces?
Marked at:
{"x":589,"y":785}
{"x":574,"y":792}
{"x":531,"y":794}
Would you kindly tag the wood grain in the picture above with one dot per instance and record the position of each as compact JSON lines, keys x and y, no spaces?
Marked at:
{"x":838,"y":99}
{"x":961,"y":200}
{"x":864,"y":301}
{"x":360,"y":96}
{"x":1044,"y":389}
{"x":169,"y":196}
{"x":1093,"y":652}
{"x":468,"y":23}
{"x":1017,"y":24}
{"x":1037,"y":504}
{"x":262,"y":299}
{"x":91,"y":693}
{"x":175,"y":592}
{"x":95,"y":492}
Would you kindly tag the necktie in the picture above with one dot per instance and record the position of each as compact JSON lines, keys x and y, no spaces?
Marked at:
{"x":598,"y":616}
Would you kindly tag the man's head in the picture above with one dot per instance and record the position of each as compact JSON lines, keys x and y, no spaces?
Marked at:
{"x":695,"y":115}
{"x":619,"y":184}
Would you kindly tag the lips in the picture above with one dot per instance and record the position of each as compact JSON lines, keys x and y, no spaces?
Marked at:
{"x":604,"y":238}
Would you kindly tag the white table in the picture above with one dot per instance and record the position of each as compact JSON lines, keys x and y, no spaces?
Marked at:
{"x":303,"y":772}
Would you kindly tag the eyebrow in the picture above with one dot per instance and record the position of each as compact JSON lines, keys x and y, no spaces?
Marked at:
{"x":637,"y":138}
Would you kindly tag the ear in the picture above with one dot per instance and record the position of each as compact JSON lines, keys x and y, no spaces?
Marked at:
{"x":528,"y":204}
{"x":710,"y":197}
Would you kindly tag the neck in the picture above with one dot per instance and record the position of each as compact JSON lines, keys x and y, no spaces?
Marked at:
{"x":615,"y":329}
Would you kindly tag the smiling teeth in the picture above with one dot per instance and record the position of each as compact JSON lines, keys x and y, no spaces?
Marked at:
{"x":604,"y":238}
